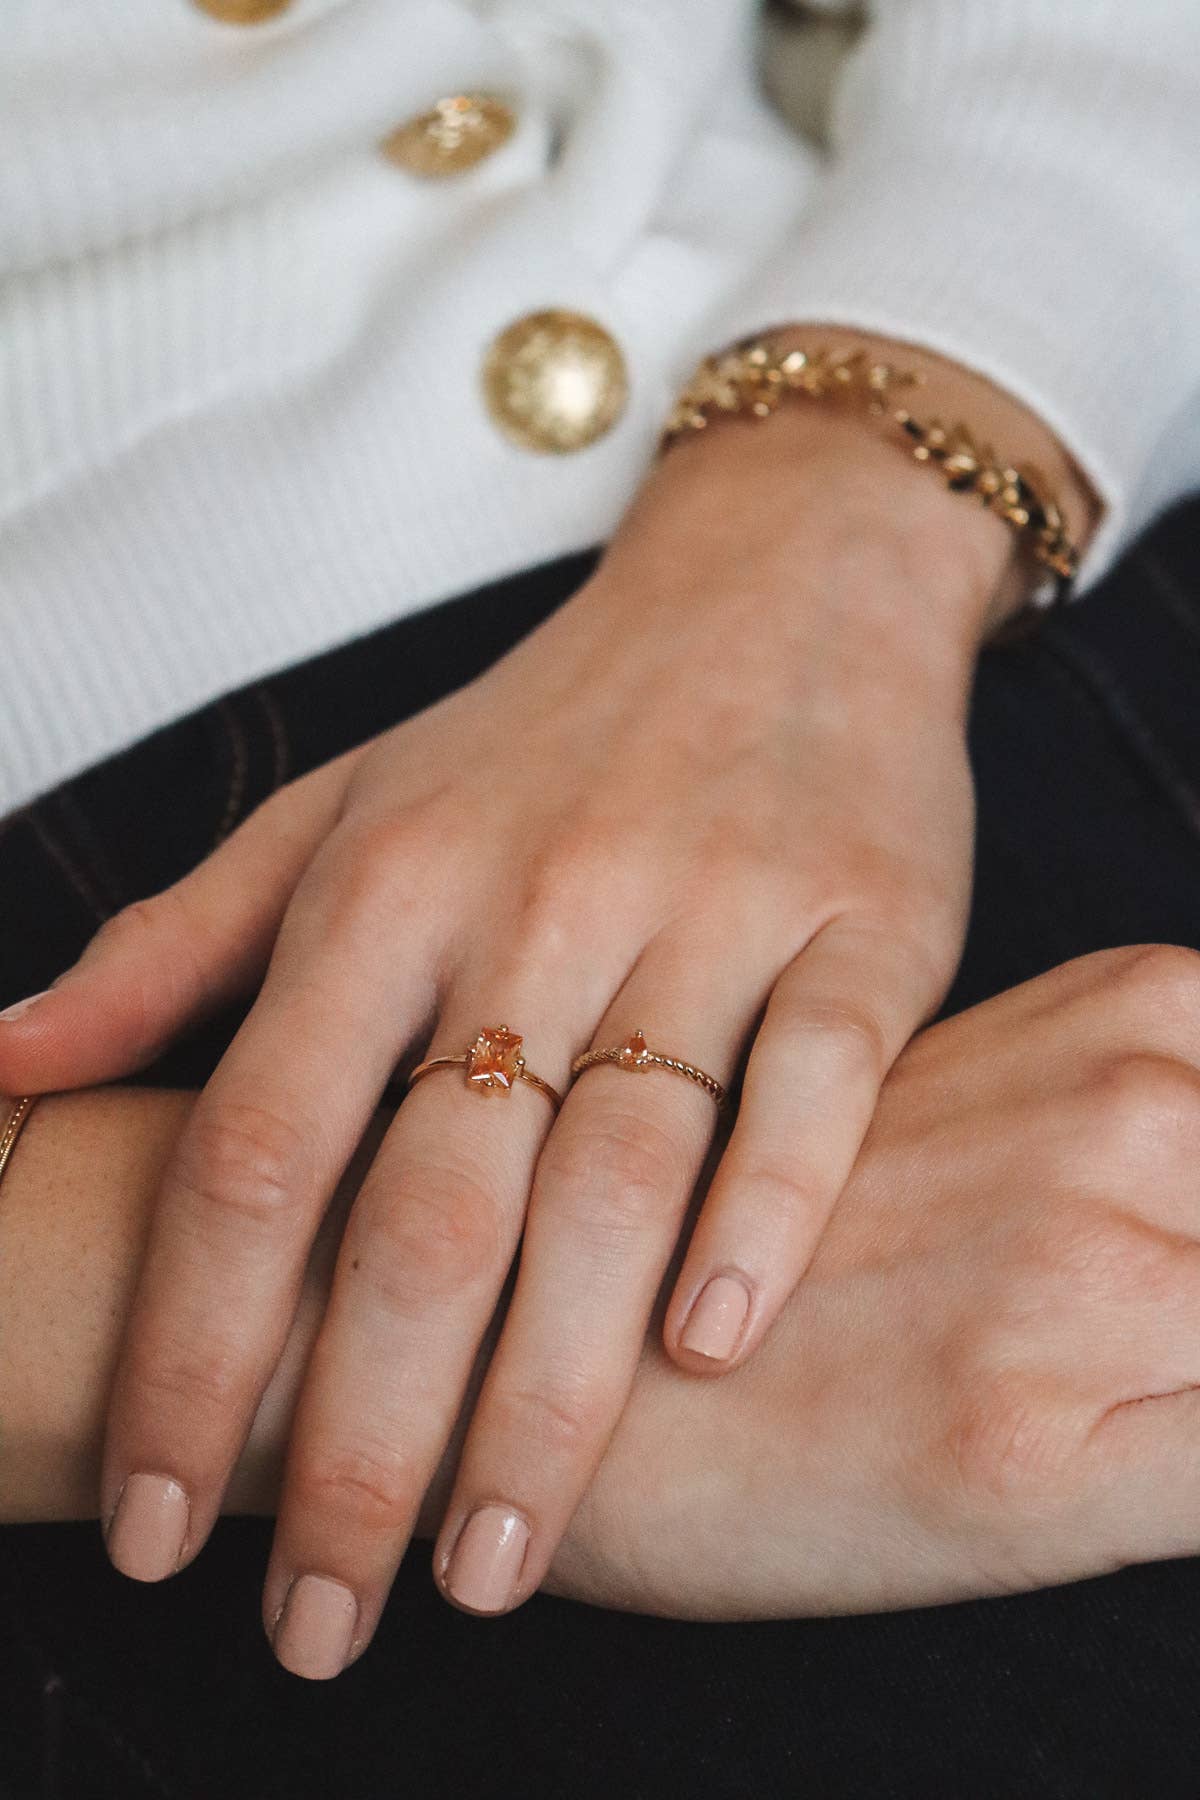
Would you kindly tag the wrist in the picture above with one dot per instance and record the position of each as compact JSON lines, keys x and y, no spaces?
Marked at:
{"x":73,"y":1208}
{"x":857,"y":532}
{"x":1031,"y":488}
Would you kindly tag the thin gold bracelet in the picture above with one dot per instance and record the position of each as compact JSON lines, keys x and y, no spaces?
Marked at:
{"x":17,"y":1119}
{"x":756,"y":378}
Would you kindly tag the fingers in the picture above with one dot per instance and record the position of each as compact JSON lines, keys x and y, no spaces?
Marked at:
{"x":610,"y":1194}
{"x":427,"y":1250}
{"x":837,"y":1019}
{"x":265,"y":1146}
{"x":163,"y":962}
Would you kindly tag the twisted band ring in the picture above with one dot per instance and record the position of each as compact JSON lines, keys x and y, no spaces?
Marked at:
{"x":634,"y":1055}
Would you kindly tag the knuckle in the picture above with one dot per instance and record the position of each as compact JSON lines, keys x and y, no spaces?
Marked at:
{"x":743,"y":870}
{"x":926,"y":931}
{"x":1087,"y":1260}
{"x":371,"y":873}
{"x":564,"y":889}
{"x":1086,"y":1253}
{"x":438,"y":1236}
{"x":558,"y":1424}
{"x":385,"y":844}
{"x":1154,"y":975}
{"x":1002,"y":1445}
{"x":163,"y":948}
{"x":541,"y":919}
{"x":870,"y":868}
{"x":1139,"y":1105}
{"x":136,"y":927}
{"x":158,"y":937}
{"x":245,"y":1160}
{"x":775,"y":1187}
{"x":363,"y":1491}
{"x":286,"y":811}
{"x":613,"y":1172}
{"x":910,"y":934}
{"x":851,"y":1035}
{"x":188,"y":1384}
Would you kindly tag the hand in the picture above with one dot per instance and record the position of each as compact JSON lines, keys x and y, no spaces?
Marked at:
{"x":990,"y":1378}
{"x":723,"y":795}
{"x":987,"y":1382}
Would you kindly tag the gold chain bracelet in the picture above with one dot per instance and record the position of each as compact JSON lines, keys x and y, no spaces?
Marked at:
{"x":13,"y":1128}
{"x":755,"y":378}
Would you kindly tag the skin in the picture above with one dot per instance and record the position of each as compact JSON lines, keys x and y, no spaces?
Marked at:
{"x":616,"y":826}
{"x":1023,"y":1219}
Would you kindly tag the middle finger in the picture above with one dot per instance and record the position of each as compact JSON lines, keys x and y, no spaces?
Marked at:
{"x":426,"y":1251}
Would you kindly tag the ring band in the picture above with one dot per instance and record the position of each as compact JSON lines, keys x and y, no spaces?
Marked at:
{"x":493,"y":1064}
{"x":13,"y":1127}
{"x":633,"y":1054}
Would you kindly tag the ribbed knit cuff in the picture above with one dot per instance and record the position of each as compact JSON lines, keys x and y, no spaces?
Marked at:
{"x":983,"y":174}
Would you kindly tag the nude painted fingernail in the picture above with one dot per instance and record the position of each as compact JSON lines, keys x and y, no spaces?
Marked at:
{"x":146,"y":1532}
{"x":316,"y":1628}
{"x":715,"y":1322}
{"x":487,"y":1560}
{"x":20,"y":1007}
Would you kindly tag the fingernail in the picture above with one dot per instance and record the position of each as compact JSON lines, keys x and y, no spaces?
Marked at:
{"x":486,"y":1564}
{"x":146,"y":1533}
{"x":20,"y":1007}
{"x":715,"y":1322}
{"x":316,"y":1627}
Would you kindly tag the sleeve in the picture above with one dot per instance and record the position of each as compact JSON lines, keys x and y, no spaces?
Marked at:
{"x":1015,"y":184}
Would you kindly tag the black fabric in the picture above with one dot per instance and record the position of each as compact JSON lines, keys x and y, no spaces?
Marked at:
{"x":1086,"y":740}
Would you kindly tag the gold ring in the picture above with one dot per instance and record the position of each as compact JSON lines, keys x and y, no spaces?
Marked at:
{"x":13,"y":1126}
{"x":633,"y":1054}
{"x":493,"y":1064}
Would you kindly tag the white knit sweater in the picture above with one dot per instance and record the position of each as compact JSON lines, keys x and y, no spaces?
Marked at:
{"x":240,"y":412}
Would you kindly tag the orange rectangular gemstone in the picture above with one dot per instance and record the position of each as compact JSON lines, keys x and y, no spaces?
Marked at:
{"x":495,"y":1058}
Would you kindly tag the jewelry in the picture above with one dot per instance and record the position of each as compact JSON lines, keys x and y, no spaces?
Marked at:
{"x":634,"y":1055}
{"x":13,"y":1128}
{"x":754,"y":378}
{"x":493,"y":1064}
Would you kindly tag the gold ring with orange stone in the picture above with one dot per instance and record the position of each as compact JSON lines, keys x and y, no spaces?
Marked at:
{"x":493,"y":1065}
{"x":634,"y":1055}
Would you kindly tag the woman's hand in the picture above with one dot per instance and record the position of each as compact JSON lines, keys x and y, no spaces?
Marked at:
{"x":988,"y":1380}
{"x":721,"y":796}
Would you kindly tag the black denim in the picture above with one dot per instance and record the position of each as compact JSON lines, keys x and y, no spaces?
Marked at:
{"x":1086,"y":742}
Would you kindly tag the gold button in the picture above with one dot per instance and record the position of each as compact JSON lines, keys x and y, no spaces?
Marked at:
{"x":242,"y":12}
{"x":452,"y":136}
{"x":555,"y":381}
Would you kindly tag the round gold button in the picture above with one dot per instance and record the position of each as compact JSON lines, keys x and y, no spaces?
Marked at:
{"x":452,"y":136}
{"x":555,"y":381}
{"x":242,"y":12}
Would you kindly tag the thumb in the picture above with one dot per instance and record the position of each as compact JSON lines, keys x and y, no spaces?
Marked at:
{"x":165,"y":962}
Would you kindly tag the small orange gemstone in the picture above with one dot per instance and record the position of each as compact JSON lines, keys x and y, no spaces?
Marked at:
{"x":634,"y":1050}
{"x":494,"y":1059}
